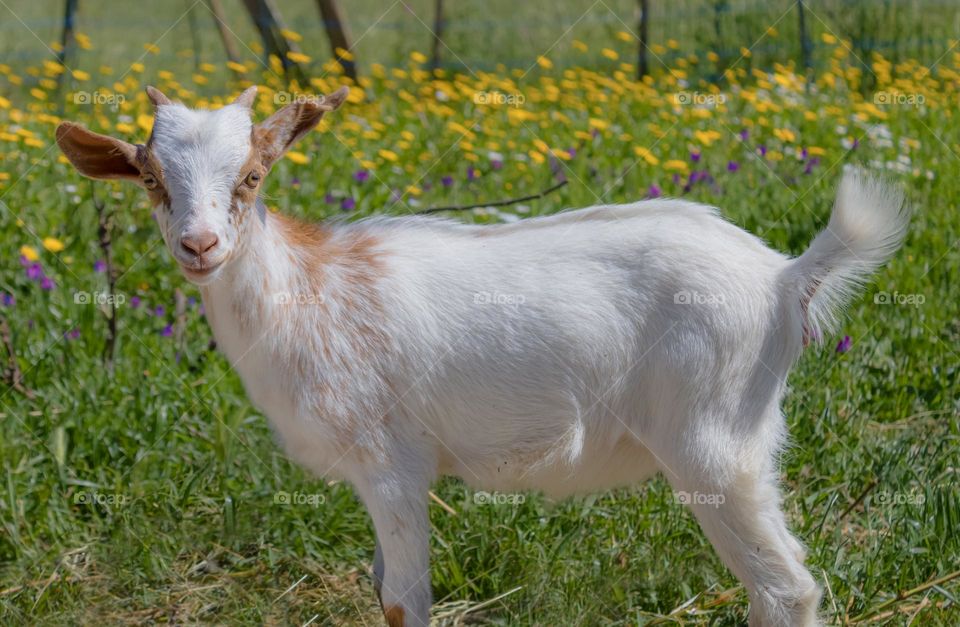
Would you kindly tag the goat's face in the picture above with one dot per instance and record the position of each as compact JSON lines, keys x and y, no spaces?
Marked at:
{"x":202,"y":169}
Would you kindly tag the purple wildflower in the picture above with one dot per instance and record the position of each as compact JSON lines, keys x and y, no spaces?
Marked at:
{"x":732,"y":166}
{"x":360,"y":176}
{"x":844,"y":345}
{"x":47,"y":284}
{"x":676,"y":178}
{"x":348,"y":204}
{"x":329,"y":199}
{"x":856,"y":142}
{"x":191,"y":301}
{"x":134,"y":301}
{"x":472,"y":173}
{"x":295,"y":181}
{"x":496,"y":164}
{"x":99,"y":266}
{"x":695,"y":157}
{"x":72,"y":334}
{"x":572,"y":152}
{"x":744,"y":134}
{"x":762,"y":150}
{"x":24,"y":261}
{"x":654,"y":191}
{"x":167,"y":331}
{"x":810,"y":165}
{"x":8,"y":300}
{"x":447,"y":181}
{"x":35,"y":272}
{"x":159,"y":311}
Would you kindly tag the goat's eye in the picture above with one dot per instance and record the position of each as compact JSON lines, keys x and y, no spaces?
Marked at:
{"x":253,"y":179}
{"x":150,"y":181}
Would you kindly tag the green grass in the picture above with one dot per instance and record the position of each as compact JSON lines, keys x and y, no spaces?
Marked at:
{"x":189,"y":531}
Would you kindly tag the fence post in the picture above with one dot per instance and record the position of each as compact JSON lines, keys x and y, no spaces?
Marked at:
{"x":336,"y":29}
{"x":439,"y":21}
{"x":267,"y":21}
{"x":804,"y":40}
{"x":67,"y":39}
{"x":643,"y":27}
{"x":216,"y":10}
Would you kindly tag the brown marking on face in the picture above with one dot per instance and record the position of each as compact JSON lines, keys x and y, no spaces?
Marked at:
{"x":244,"y":194}
{"x":393,"y":616}
{"x":149,"y":165}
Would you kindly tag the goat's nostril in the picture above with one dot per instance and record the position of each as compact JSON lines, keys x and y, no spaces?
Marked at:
{"x":200,"y":243}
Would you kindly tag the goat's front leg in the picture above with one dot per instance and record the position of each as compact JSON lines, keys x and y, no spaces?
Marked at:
{"x":398,"y":506}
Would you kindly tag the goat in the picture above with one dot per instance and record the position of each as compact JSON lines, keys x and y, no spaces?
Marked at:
{"x":570,"y":353}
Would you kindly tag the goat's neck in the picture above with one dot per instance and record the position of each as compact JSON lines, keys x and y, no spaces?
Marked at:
{"x":278,"y":260}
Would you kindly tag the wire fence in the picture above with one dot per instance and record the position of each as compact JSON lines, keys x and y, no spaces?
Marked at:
{"x":498,"y":35}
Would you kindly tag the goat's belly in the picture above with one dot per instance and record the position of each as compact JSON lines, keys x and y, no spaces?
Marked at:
{"x":596,"y":469}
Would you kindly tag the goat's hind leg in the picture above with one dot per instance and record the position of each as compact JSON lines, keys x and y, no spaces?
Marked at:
{"x":739,"y":511}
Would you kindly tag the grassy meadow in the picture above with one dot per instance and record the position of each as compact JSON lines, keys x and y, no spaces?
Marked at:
{"x":153,"y":492}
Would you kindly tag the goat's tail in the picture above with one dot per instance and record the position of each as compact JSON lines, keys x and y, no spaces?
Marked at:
{"x":868,"y":224}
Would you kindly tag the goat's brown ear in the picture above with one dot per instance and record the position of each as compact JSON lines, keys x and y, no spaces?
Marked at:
{"x":275,"y":135}
{"x":98,"y":156}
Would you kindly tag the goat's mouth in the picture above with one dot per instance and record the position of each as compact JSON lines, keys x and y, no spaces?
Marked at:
{"x":199,"y":272}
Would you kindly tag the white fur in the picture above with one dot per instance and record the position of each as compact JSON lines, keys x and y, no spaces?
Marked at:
{"x":568,"y":353}
{"x":201,"y":153}
{"x":584,"y":373}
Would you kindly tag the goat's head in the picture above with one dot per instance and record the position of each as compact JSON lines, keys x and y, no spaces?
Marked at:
{"x":202,"y":169}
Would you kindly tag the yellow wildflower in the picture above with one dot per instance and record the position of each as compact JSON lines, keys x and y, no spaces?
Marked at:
{"x":298,"y":157}
{"x":53,"y":244}
{"x":29,"y":252}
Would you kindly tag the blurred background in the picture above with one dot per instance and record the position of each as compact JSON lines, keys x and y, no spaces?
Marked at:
{"x":481,"y":36}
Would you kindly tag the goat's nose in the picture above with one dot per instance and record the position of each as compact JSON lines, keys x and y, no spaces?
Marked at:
{"x":199,"y":243}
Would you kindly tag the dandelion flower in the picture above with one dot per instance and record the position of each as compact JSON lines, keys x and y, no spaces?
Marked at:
{"x":53,"y":244}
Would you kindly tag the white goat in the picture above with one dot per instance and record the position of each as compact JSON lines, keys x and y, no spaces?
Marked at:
{"x":569,"y":353}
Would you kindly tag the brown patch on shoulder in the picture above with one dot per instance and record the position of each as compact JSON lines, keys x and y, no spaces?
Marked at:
{"x":394,"y":615}
{"x":329,"y":312}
